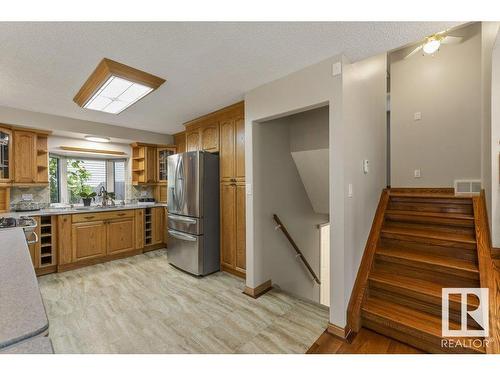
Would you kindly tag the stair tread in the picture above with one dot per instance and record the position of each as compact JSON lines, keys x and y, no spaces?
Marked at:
{"x":433,"y":234}
{"x":426,"y":323}
{"x":448,"y":262}
{"x":416,"y":285}
{"x":446,"y":215}
{"x":431,"y":195}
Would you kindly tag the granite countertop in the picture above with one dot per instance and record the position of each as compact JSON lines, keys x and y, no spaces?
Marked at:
{"x":22,"y":314}
{"x":37,"y":345}
{"x":66,"y":211}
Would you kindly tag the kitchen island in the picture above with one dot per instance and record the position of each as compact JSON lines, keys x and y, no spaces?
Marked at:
{"x":22,"y":314}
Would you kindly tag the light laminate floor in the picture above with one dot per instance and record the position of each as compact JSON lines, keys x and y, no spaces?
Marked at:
{"x":143,"y":305}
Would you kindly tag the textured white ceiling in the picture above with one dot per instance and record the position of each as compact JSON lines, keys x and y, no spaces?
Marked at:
{"x":207,"y":64}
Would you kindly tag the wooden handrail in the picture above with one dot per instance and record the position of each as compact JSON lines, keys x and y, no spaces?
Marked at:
{"x":488,"y":273}
{"x":297,"y":250}
{"x":360,"y":285}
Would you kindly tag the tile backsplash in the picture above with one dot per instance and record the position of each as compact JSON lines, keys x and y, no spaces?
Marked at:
{"x":40,"y":194}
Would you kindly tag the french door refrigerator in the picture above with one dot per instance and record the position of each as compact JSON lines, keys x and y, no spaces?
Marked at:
{"x":193,"y":212}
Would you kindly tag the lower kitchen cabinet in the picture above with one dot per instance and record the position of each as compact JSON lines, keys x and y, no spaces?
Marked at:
{"x":233,"y":237}
{"x":120,"y":235}
{"x":89,"y":240}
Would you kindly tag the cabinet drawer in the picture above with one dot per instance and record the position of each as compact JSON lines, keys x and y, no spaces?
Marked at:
{"x":92,"y":216}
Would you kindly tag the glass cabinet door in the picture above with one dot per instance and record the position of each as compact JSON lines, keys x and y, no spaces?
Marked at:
{"x":163,"y":154}
{"x":5,"y":154}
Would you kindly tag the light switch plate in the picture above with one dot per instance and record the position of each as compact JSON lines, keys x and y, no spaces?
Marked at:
{"x":416,"y":173}
{"x":27,"y":197}
{"x":349,"y":191}
{"x":248,"y":188}
{"x":336,"y":68}
{"x":417,"y":116}
{"x":365,"y":166}
{"x":144,"y":193}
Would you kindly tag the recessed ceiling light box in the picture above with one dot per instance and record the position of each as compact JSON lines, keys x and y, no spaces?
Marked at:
{"x":113,"y":87}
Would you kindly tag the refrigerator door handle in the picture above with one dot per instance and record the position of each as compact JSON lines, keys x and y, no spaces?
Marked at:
{"x":182,"y":236}
{"x":183,"y":219}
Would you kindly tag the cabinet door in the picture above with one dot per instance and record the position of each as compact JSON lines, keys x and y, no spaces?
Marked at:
{"x":24,"y":157}
{"x":89,"y":240}
{"x":180,"y":142}
{"x":228,"y":223}
{"x":157,"y":225}
{"x":120,"y":235}
{"x":139,"y":229}
{"x":193,"y":140}
{"x":227,"y":150}
{"x":35,"y":247}
{"x":162,"y":153}
{"x":240,"y":149}
{"x":210,"y":137}
{"x":240,"y":228}
{"x":5,"y":155}
{"x":64,"y":255}
{"x":150,"y":164}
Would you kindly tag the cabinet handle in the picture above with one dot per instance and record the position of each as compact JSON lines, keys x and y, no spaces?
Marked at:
{"x":88,"y":217}
{"x":122,"y":214}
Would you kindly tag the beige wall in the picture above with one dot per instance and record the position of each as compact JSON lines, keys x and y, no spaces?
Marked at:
{"x":64,"y":125}
{"x":446,"y":89}
{"x":309,"y":130}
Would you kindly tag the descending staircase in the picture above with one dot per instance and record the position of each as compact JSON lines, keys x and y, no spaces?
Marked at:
{"x":421,"y":242}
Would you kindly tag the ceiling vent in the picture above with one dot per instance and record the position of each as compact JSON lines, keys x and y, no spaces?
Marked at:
{"x":467,"y":187}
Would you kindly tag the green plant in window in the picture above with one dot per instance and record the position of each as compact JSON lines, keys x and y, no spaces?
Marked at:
{"x":54,"y":189}
{"x":77,"y":177}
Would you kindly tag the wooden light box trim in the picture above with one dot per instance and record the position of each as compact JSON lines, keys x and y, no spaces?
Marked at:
{"x":92,"y":150}
{"x":107,"y":68}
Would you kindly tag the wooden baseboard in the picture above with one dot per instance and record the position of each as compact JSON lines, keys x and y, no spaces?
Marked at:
{"x":258,"y":290}
{"x":233,"y":271}
{"x":342,"y":333}
{"x":91,"y":262}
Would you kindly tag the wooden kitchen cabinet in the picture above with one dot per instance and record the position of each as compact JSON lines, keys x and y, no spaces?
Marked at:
{"x":180,"y":142}
{"x":64,"y":249}
{"x":139,"y":229}
{"x":120,"y":234}
{"x":232,"y":149}
{"x":143,"y":164}
{"x":24,"y":157}
{"x":158,"y":226}
{"x":5,"y":155}
{"x":193,"y":140}
{"x":89,"y":240}
{"x":233,"y":239}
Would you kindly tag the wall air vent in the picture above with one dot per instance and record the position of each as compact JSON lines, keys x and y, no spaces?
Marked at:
{"x":467,"y":187}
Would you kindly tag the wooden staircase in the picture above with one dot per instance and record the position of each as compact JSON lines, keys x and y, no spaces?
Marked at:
{"x":421,"y":241}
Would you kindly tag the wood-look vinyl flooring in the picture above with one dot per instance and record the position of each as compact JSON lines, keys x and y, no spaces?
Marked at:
{"x":142,"y":304}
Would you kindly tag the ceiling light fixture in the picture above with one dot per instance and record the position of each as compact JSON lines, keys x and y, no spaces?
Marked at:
{"x":431,"y":45}
{"x":113,"y":87}
{"x":94,"y":138}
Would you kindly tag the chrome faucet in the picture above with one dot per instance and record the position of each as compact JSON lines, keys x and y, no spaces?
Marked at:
{"x":105,"y":197}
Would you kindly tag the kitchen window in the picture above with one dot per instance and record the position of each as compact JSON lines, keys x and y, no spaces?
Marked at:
{"x":70,"y":176}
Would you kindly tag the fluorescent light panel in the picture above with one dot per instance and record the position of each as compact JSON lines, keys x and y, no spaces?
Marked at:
{"x":116,"y":95}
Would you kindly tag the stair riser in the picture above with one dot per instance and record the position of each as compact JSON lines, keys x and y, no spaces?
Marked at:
{"x":428,"y":241}
{"x":427,"y":220}
{"x":447,"y":280}
{"x":417,"y":301}
{"x":431,"y":345}
{"x":466,"y":231}
{"x":415,"y":247}
{"x":425,"y":207}
{"x":434,"y":201}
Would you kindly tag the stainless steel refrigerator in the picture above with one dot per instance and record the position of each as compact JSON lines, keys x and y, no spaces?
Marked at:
{"x":193,"y":212}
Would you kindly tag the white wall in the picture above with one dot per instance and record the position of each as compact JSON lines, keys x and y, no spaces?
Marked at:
{"x":278,"y":189}
{"x":309,"y":130}
{"x":364,"y":99}
{"x":311,"y":87}
{"x":59,"y":124}
{"x":447,"y":89}
{"x":495,"y":146}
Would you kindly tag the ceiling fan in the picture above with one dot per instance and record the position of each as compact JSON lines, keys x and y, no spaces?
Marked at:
{"x":432,"y":43}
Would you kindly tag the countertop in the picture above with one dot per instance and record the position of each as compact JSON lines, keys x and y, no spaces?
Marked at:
{"x":67,"y":211}
{"x":22,"y":314}
{"x":37,"y":345}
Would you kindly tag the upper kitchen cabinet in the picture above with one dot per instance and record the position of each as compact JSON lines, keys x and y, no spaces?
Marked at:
{"x":232,"y":149}
{"x":162,"y":153}
{"x":193,"y":139}
{"x":203,"y":134}
{"x":180,"y":142}
{"x":143,"y":164}
{"x":31,"y":157}
{"x":5,"y":155}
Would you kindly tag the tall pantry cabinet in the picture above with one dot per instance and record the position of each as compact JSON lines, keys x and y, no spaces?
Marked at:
{"x":223,"y":131}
